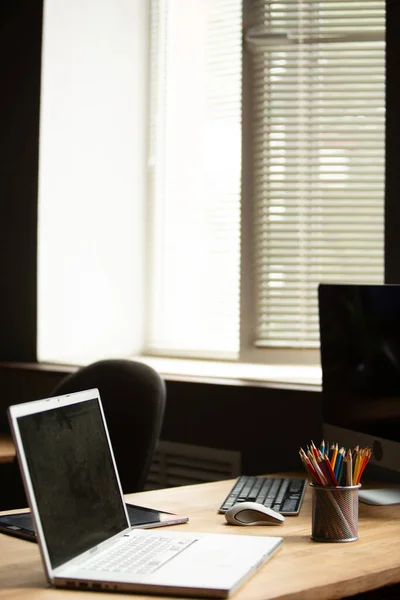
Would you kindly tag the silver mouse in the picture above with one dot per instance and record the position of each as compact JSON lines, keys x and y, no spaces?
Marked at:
{"x":252,"y":513}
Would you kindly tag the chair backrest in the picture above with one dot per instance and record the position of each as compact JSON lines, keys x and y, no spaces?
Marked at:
{"x":134,"y":398}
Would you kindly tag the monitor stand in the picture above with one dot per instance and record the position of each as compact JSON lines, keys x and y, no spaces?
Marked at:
{"x":384,"y":488}
{"x":380,"y":496}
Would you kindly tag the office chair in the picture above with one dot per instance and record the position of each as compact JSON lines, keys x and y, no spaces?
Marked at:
{"x":133,"y":397}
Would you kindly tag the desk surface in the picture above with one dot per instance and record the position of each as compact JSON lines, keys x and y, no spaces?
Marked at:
{"x":302,"y":569}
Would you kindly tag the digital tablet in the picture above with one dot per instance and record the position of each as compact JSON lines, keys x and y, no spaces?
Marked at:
{"x":21,"y":525}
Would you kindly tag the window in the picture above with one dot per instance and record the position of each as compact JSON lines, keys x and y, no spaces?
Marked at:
{"x":317,"y":118}
{"x":195,"y":171}
{"x":206,"y":187}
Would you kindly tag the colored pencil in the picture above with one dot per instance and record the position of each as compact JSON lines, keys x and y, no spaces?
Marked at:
{"x":334,"y":466}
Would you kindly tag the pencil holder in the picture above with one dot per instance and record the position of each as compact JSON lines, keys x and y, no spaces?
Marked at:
{"x":334,"y":513}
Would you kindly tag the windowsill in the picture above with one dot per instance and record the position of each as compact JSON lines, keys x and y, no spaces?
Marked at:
{"x":209,"y":371}
{"x":293,"y":376}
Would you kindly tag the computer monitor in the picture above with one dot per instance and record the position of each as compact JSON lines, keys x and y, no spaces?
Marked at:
{"x":360,"y":361}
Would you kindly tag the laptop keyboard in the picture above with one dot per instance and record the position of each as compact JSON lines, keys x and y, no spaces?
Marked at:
{"x":283,"y":494}
{"x":141,"y":555}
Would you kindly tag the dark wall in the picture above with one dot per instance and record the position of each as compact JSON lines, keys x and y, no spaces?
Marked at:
{"x":392,"y":179}
{"x":20,"y":55}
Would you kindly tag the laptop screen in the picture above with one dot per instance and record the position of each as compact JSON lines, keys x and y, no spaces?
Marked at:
{"x":73,"y":478}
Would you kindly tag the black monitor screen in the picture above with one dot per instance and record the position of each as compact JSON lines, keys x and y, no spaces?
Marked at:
{"x":360,"y":358}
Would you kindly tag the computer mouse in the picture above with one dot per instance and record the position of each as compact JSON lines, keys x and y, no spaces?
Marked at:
{"x":252,"y":513}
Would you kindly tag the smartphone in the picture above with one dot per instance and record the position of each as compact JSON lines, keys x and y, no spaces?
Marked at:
{"x":21,"y":524}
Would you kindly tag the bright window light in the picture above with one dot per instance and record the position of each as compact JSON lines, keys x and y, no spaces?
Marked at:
{"x":92,"y":171}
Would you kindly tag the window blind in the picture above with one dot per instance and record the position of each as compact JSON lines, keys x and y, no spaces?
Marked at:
{"x":317,"y":156}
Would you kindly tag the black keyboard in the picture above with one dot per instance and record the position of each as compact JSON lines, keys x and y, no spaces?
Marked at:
{"x":285,"y":495}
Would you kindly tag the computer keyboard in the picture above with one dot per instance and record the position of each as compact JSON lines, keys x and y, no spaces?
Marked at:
{"x":283,"y":494}
{"x":139,"y":554}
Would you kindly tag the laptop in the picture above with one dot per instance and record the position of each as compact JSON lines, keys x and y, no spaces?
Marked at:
{"x":81,"y":520}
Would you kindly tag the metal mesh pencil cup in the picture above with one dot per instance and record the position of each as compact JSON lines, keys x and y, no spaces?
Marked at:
{"x":334,"y":513}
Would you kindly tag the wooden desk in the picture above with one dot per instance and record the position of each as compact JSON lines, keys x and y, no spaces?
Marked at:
{"x":301,"y":570}
{"x":7,"y":449}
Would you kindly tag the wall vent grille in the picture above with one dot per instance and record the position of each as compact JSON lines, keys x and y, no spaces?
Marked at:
{"x":184,"y":464}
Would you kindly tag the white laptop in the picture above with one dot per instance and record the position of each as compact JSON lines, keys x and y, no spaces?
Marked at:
{"x":82,"y":526}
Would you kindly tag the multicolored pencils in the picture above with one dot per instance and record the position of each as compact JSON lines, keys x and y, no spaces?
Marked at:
{"x":334,"y":466}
